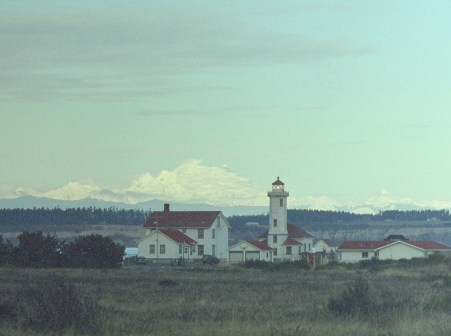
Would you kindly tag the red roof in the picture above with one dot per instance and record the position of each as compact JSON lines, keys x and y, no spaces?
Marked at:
{"x":294,"y":231}
{"x":181,"y":219}
{"x":377,"y":244}
{"x":328,"y":242}
{"x":428,"y":245}
{"x":363,"y":244}
{"x":291,"y":241}
{"x":178,"y":236}
{"x":278,"y":182}
{"x":260,"y":245}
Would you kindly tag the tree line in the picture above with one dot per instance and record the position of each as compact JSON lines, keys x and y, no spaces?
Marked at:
{"x":335,"y":218}
{"x":72,"y":216}
{"x":32,"y":218}
{"x":39,"y":250}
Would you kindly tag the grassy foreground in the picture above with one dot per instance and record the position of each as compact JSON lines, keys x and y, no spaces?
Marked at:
{"x":230,"y":300}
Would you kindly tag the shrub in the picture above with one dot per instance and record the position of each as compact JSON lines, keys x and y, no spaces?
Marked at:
{"x":93,"y":251}
{"x":37,"y":250}
{"x":6,"y":251}
{"x":355,"y":299}
{"x":55,"y":306}
{"x":167,"y":283}
{"x":256,"y":264}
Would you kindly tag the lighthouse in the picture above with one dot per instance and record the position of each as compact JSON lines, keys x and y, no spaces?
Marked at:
{"x":278,"y":230}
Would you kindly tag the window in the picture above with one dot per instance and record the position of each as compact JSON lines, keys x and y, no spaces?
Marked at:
{"x":275,"y":252}
{"x":281,"y":202}
{"x":162,"y":249}
{"x":200,"y":233}
{"x":213,"y":233}
{"x":213,"y":249}
{"x":364,"y":254}
{"x":274,"y":222}
{"x":274,"y":239}
{"x":288,"y":250}
{"x":300,"y":249}
{"x":180,"y":248}
{"x":200,"y":249}
{"x":376,"y":254}
{"x":309,"y":246}
{"x":193,"y":249}
{"x":152,"y":249}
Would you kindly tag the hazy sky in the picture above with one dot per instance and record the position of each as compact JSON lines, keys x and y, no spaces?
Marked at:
{"x":212,"y":100}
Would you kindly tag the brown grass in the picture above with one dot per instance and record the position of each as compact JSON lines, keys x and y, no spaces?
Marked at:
{"x":233,"y":300}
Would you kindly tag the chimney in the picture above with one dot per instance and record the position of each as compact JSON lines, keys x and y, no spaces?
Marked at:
{"x":166,"y":207}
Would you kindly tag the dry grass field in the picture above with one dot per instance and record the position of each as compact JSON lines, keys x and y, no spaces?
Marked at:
{"x":399,"y":299}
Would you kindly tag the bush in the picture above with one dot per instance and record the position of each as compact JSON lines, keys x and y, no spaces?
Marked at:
{"x":55,"y":306}
{"x":355,"y":299}
{"x":93,"y":251}
{"x":6,"y":251}
{"x":276,"y":266}
{"x":37,"y":250}
{"x":167,"y":283}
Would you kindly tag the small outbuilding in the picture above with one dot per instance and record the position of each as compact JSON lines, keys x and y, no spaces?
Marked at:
{"x":250,"y":250}
{"x":325,"y":245}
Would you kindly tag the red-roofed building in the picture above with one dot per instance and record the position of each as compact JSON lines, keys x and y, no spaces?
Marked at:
{"x":325,"y":245}
{"x":355,"y":251}
{"x":250,"y":250}
{"x":185,"y":234}
{"x":292,"y":245}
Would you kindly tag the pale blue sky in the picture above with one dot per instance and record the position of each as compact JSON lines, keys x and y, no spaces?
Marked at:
{"x":340,"y":98}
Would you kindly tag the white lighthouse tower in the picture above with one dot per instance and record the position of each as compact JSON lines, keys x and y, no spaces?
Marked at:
{"x":278,"y":232}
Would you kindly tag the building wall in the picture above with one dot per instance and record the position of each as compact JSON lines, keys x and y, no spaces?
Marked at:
{"x":221,"y":240}
{"x":278,"y":212}
{"x":355,"y":256}
{"x":400,"y":251}
{"x":171,"y":248}
{"x":248,"y":249}
{"x":321,"y":246}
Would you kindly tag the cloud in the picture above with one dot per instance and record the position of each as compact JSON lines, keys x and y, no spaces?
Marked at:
{"x":87,"y":52}
{"x":194,"y":182}
{"x":191,"y":182}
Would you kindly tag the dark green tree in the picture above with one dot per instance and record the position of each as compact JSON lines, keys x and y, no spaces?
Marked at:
{"x":93,"y":251}
{"x":6,"y":251}
{"x":37,"y":250}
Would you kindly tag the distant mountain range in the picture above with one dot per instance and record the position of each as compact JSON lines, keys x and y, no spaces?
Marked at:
{"x":373,"y":205}
{"x":29,"y":202}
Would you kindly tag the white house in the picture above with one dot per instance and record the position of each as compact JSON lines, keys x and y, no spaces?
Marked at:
{"x":198,"y":233}
{"x":288,"y":241}
{"x":325,"y":245}
{"x":167,"y":244}
{"x":250,"y":250}
{"x":355,"y":251}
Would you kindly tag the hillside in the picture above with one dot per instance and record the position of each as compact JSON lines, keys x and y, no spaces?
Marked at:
{"x":125,"y":226}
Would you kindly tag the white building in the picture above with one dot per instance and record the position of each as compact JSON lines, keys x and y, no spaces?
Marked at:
{"x":325,"y":245}
{"x":288,"y":241}
{"x":355,"y":251}
{"x":185,"y":234}
{"x":250,"y":250}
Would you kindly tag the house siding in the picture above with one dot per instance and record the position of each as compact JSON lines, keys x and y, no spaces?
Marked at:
{"x":171,"y":247}
{"x":400,"y":251}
